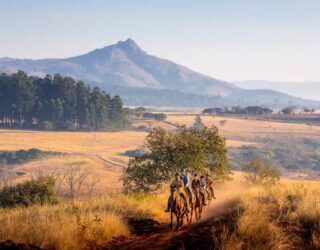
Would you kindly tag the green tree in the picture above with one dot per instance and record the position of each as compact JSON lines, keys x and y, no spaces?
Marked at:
{"x":169,"y":151}
{"x":258,"y":172}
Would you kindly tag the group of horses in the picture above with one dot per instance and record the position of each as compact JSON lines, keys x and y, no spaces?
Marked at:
{"x":179,"y":206}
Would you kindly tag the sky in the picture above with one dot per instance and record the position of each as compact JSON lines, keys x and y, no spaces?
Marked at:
{"x":226,"y":39}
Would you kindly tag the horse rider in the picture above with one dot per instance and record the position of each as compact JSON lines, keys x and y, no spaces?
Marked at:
{"x":197,"y":185}
{"x":186,"y":182}
{"x":203,"y":189}
{"x":177,"y":184}
{"x":209,"y":183}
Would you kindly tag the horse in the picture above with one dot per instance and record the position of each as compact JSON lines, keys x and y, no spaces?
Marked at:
{"x":209,"y":190}
{"x":178,"y":208}
{"x":197,"y":203}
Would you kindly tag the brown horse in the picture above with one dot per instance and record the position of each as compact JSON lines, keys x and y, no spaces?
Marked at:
{"x":178,"y":208}
{"x":210,"y":191}
{"x":197,"y":203}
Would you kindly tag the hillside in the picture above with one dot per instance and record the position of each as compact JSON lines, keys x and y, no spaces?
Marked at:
{"x":126,"y":65}
{"x":309,"y":90}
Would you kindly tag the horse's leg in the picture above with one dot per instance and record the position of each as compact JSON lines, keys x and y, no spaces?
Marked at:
{"x":178,"y":220}
{"x":190,"y":215}
{"x":182,"y":218}
{"x":171,"y":221}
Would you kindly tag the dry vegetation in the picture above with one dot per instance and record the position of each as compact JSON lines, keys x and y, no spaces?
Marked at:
{"x":285,"y":216}
{"x":246,"y":129}
{"x":100,"y":152}
{"x":278,"y":217}
{"x":93,"y":221}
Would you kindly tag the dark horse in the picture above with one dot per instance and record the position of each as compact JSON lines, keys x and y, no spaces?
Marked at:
{"x":178,"y":208}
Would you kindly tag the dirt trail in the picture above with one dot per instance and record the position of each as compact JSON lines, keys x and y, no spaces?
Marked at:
{"x":219,"y":215}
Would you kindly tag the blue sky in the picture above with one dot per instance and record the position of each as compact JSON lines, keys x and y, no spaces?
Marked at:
{"x":227,"y":39}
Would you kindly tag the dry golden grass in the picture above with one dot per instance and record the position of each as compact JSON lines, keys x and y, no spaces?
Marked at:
{"x":277,"y":217}
{"x":248,"y":129}
{"x":104,"y":144}
{"x":97,"y":220}
{"x":100,"y":152}
{"x":73,"y":225}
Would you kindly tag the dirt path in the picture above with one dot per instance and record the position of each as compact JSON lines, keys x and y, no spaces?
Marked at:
{"x":204,"y":234}
{"x":218,"y":221}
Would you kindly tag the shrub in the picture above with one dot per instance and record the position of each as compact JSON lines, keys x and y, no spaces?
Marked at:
{"x":260,"y":173}
{"x":158,"y":117}
{"x":39,"y":191}
{"x":46,"y":125}
{"x":134,"y":153}
{"x":21,"y":156}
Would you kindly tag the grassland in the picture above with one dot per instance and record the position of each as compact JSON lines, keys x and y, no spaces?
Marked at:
{"x":77,"y":224}
{"x":242,"y":129}
{"x":285,"y":216}
{"x":101,"y":152}
{"x":265,"y":214}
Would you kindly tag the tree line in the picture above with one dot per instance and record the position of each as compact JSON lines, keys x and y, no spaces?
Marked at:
{"x":56,"y":102}
{"x":238,"y":110}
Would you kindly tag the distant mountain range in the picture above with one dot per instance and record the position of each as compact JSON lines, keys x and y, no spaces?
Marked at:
{"x":308,"y":90}
{"x":124,"y":68}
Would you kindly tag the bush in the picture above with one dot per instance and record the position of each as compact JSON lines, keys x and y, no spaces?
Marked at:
{"x":160,"y":117}
{"x":22,"y":156}
{"x":46,"y":125}
{"x":134,"y":153}
{"x":157,"y":117}
{"x":39,"y":191}
{"x":260,"y":173}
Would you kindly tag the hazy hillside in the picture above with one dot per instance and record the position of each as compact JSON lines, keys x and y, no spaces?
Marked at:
{"x":166,"y":97}
{"x":125,"y":65}
{"x":308,"y":90}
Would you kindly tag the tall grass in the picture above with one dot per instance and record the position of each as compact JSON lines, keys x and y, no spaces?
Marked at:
{"x":280,"y":217}
{"x":73,"y":225}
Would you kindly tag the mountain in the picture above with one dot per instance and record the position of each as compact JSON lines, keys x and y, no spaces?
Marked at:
{"x":125,"y":67}
{"x":308,"y":90}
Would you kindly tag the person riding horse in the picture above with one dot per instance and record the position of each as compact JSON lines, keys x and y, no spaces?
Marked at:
{"x":186,"y":182}
{"x":203,"y":189}
{"x":209,"y":183}
{"x":179,"y":185}
{"x":196,"y":185}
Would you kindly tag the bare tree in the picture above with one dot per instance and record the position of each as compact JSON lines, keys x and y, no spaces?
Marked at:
{"x":75,"y":177}
{"x":92,"y":183}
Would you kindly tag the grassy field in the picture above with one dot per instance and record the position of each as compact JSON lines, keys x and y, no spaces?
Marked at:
{"x":101,"y":152}
{"x":285,"y":216}
{"x":246,"y":129}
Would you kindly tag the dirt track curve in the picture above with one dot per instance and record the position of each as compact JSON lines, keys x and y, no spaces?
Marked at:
{"x":204,"y":234}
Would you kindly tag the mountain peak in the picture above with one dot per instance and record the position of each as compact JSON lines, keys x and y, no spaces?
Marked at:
{"x":128,"y":45}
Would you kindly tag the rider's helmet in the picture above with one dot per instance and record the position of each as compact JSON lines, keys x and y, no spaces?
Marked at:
{"x":201,"y":177}
{"x":195,"y":174}
{"x":176,"y":174}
